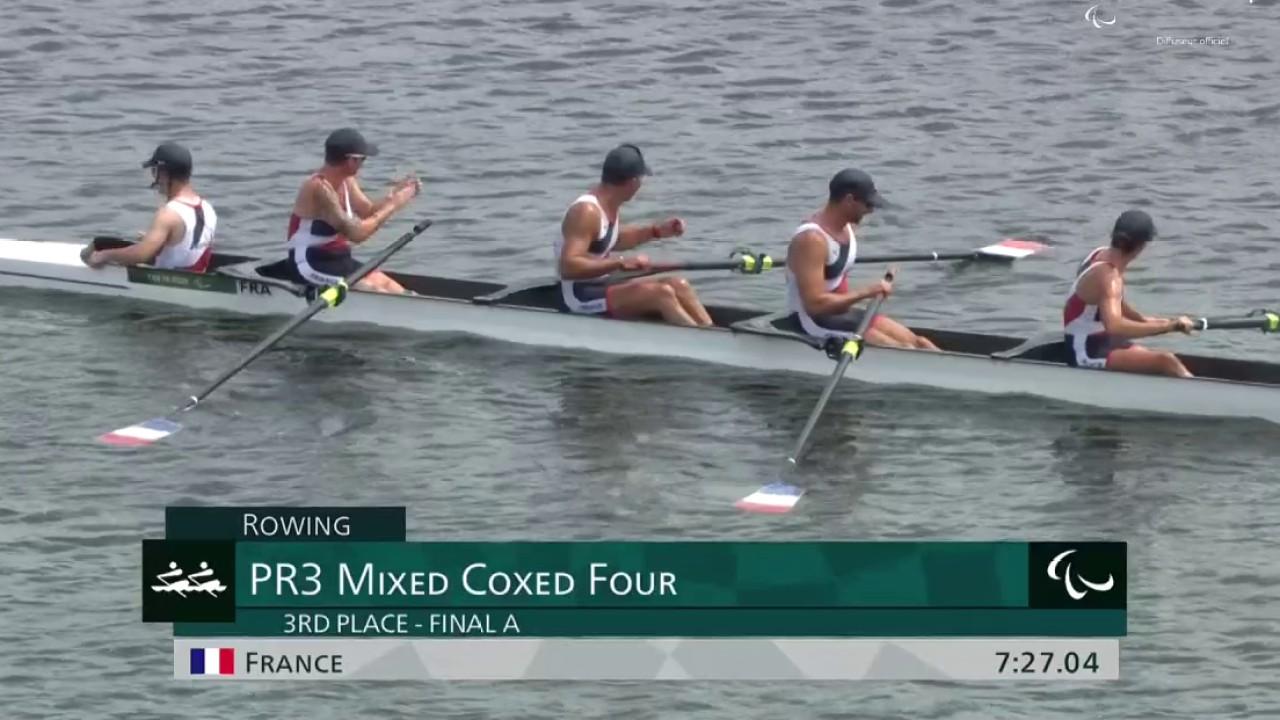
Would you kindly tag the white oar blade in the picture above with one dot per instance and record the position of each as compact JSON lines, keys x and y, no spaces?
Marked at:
{"x":1013,"y":248}
{"x":774,"y":498}
{"x":144,"y":433}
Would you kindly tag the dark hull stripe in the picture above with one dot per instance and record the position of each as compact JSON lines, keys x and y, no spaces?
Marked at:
{"x":64,"y":280}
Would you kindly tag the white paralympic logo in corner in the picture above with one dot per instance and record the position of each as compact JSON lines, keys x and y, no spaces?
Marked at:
{"x":1092,"y":16}
{"x":1067,"y":575}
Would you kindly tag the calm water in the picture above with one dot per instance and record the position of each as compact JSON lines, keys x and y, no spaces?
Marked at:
{"x":980,"y":120}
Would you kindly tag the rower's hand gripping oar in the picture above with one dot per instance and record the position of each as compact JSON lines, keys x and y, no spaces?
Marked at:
{"x":749,"y":263}
{"x":147,"y":432}
{"x":781,"y":496}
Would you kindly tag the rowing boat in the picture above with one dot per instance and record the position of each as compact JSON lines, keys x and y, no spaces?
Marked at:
{"x":531,"y":314}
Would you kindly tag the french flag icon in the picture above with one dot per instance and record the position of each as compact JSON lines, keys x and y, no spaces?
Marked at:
{"x":213,"y":661}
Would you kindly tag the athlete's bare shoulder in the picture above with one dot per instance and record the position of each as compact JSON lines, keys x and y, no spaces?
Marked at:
{"x":809,"y":236}
{"x":1101,"y":280}
{"x":582,"y":217}
{"x":314,"y":193}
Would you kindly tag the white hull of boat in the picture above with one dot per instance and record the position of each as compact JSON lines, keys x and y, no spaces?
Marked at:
{"x":57,"y":266}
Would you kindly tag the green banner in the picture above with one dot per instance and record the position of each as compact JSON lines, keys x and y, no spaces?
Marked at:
{"x":620,"y":589}
{"x":208,"y":282}
{"x":284,"y":523}
{"x":633,"y":574}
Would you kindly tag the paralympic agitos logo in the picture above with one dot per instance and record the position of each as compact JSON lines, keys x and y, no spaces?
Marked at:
{"x":1091,"y":15}
{"x":1078,"y":575}
{"x":1069,"y":578}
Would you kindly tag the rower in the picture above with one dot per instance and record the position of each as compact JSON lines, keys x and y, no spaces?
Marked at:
{"x":592,"y":227}
{"x":1098,"y":322}
{"x":820,"y":254}
{"x":182,"y":230}
{"x":331,"y":212}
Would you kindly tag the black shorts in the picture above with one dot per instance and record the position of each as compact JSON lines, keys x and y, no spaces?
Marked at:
{"x":321,"y":267}
{"x":1092,"y":351}
{"x":585,"y":298}
{"x":846,"y":322}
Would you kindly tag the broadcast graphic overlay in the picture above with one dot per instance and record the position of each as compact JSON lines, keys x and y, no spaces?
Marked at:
{"x":341,"y":593}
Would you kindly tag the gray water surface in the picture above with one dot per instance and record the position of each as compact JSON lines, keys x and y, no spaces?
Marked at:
{"x":980,"y":120}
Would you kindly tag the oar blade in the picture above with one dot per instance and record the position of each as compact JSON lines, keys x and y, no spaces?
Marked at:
{"x":1013,"y":249}
{"x":143,"y":433}
{"x":150,"y":431}
{"x":772,"y":498}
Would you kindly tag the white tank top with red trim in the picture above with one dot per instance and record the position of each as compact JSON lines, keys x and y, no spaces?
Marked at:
{"x":835,"y":272}
{"x":1079,"y":317}
{"x":195,"y":248}
{"x":305,"y":232}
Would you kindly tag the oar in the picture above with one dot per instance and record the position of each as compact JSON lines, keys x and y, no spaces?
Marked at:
{"x":781,"y":496}
{"x":1264,"y":320}
{"x":748,"y":263}
{"x":149,"y":431}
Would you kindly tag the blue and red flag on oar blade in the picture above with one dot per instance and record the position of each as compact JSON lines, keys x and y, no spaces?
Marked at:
{"x":144,"y":433}
{"x":1013,"y":248}
{"x":774,"y":498}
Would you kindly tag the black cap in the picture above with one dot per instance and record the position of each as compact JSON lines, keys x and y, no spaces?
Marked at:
{"x":173,"y":158}
{"x":857,"y":183}
{"x":623,"y":163}
{"x":348,"y":141}
{"x":1135,"y":225}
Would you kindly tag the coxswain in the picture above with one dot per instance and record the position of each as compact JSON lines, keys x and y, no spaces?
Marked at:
{"x":1097,"y":321}
{"x":820,"y":254}
{"x":592,"y":238}
{"x":182,"y":230}
{"x":331,"y":213}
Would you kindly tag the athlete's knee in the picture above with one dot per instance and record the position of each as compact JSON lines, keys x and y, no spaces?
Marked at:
{"x":665,"y":293}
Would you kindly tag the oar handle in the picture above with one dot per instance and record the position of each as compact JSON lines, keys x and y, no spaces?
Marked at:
{"x":747,"y":263}
{"x":327,"y":298}
{"x":851,"y":348}
{"x":1264,"y":320}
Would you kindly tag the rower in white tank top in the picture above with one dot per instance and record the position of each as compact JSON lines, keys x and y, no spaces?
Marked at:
{"x":182,"y":230}
{"x":1088,"y":342}
{"x":823,"y":305}
{"x":588,"y":233}
{"x":331,"y":213}
{"x":318,"y":253}
{"x":1099,"y":325}
{"x":840,"y":258}
{"x":589,"y":297}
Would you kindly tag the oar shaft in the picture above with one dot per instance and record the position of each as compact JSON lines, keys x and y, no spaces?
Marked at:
{"x":1268,"y":322}
{"x":695,"y":266}
{"x":919,"y":257}
{"x":754,"y":265}
{"x":812,"y":422}
{"x":847,"y":356}
{"x":316,"y":306}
